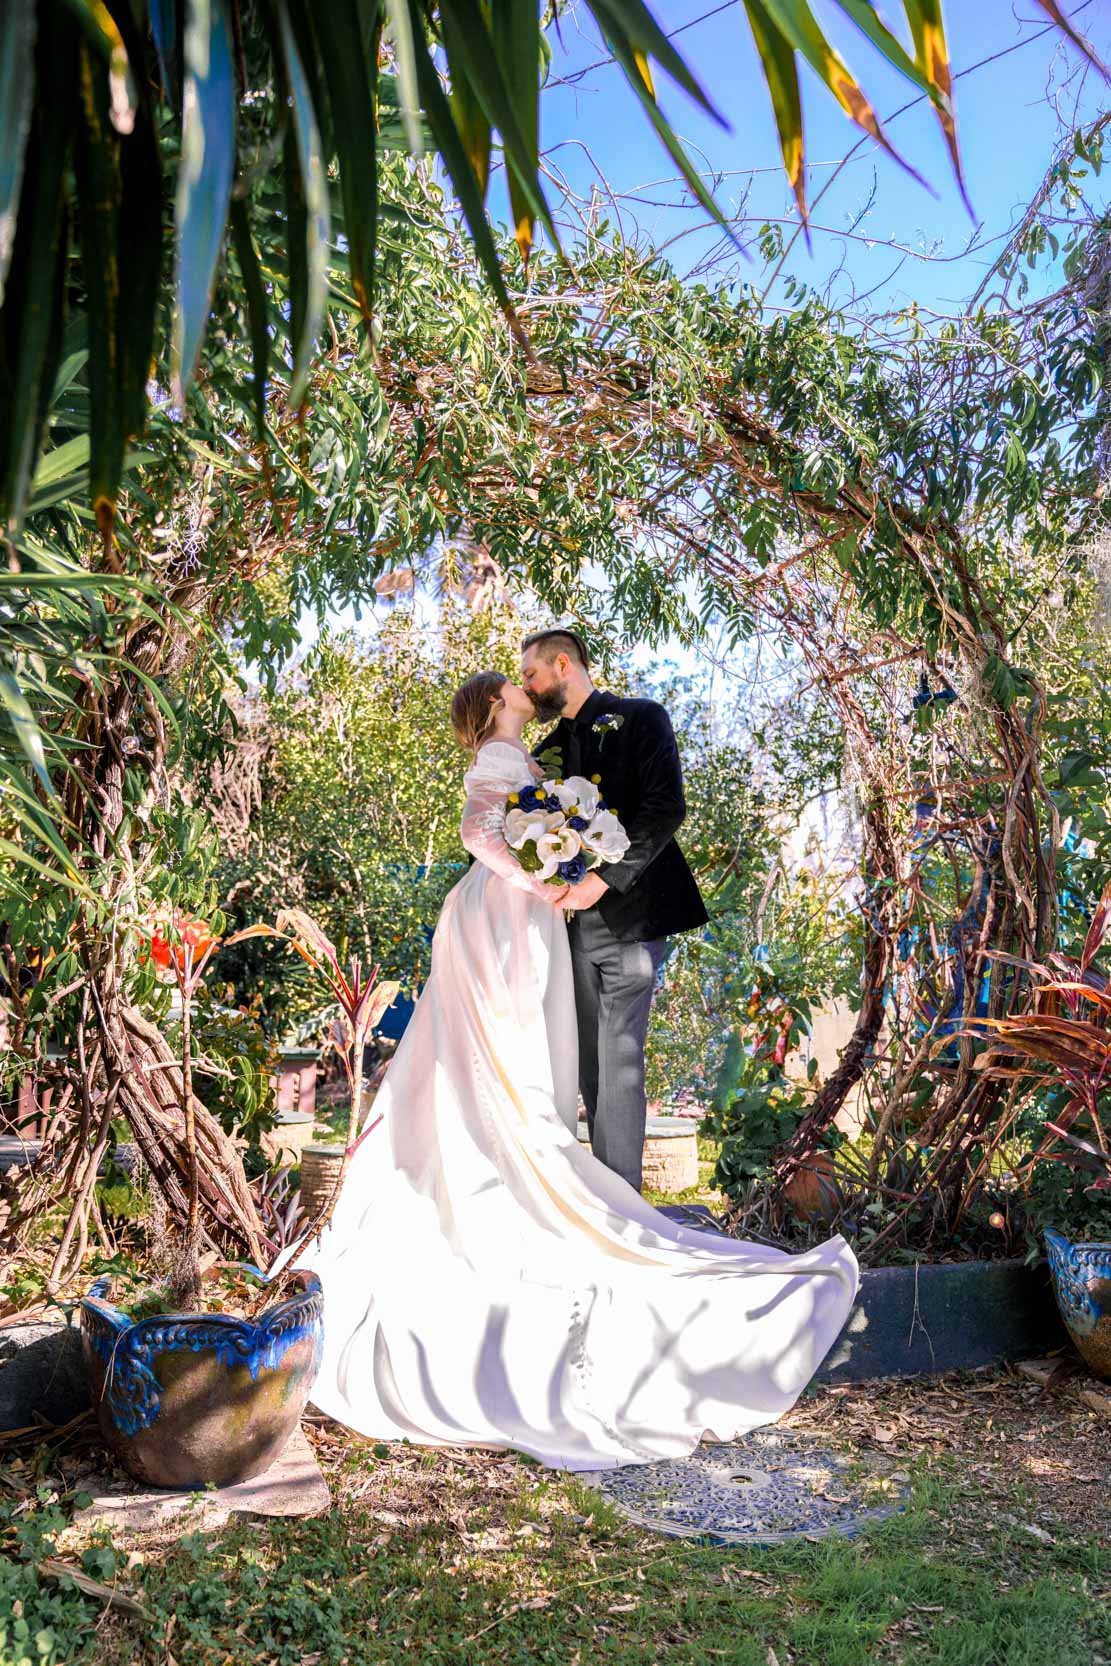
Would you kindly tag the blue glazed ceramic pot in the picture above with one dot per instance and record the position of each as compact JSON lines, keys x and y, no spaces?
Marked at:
{"x":1082,"y":1284}
{"x":185,"y":1399}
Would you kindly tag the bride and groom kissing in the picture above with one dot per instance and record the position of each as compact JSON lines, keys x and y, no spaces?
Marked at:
{"x":488,"y":1281}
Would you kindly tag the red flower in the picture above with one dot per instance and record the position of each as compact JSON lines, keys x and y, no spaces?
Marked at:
{"x":187,"y":943}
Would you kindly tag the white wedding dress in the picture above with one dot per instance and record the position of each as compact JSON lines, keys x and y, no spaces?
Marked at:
{"x":486,"y":1280}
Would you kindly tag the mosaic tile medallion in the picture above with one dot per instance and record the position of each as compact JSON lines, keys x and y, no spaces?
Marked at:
{"x":769,"y":1488}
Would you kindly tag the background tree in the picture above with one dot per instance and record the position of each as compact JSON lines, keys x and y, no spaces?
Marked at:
{"x":892,"y":507}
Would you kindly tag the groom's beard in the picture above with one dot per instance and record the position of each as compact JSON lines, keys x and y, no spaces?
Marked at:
{"x":548,"y":707}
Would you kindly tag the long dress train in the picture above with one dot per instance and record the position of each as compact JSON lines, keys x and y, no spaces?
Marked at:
{"x":486,"y":1280}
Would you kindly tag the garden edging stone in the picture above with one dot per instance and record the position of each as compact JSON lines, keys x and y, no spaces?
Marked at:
{"x":944,"y":1316}
{"x":42,"y":1372}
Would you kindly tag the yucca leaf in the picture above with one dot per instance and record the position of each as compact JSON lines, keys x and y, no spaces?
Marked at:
{"x":350,"y":63}
{"x":797,"y":23}
{"x":314,"y":183}
{"x":22,"y":720}
{"x":62,"y":462}
{"x":163,"y":28}
{"x":1052,"y":10}
{"x":479,"y":63}
{"x":623,"y":52}
{"x":407,"y":34}
{"x":781,"y":74}
{"x":103,"y":34}
{"x":17,"y":90}
{"x":450,"y":146}
{"x":141,"y":244}
{"x":517,"y":41}
{"x":470,"y":118}
{"x":928,"y":28}
{"x":31,"y":318}
{"x":255,"y":291}
{"x":204,"y":175}
{"x":647,"y":40}
{"x":97,"y":163}
{"x":296,"y":236}
{"x":18,"y":857}
{"x":870,"y":23}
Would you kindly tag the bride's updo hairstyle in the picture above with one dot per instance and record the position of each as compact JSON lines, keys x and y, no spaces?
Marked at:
{"x":474,"y":708}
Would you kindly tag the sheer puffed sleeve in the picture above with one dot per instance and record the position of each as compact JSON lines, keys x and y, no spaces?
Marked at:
{"x":498,"y":770}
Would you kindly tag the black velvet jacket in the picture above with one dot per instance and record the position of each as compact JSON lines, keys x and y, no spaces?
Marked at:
{"x":651,"y":892}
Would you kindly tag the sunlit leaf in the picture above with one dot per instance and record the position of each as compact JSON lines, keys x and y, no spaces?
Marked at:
{"x":204,"y":175}
{"x":1053,"y":11}
{"x":314,"y":184}
{"x":22,"y":720}
{"x":17,"y":86}
{"x":350,"y":67}
{"x":797,"y":23}
{"x":932,"y":55}
{"x":102,"y":31}
{"x":781,"y":74}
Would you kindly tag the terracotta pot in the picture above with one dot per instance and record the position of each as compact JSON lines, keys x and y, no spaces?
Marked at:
{"x":184,"y":1399}
{"x":813,"y":1192}
{"x":1082,"y":1284}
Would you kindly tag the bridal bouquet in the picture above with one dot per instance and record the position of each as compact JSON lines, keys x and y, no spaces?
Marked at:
{"x":560,"y":830}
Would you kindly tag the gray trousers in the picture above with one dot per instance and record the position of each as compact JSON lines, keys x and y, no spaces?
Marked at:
{"x":614,"y":985}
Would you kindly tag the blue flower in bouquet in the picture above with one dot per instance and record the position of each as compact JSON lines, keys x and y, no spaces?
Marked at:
{"x":579,"y":823}
{"x":534,"y":798}
{"x":573,"y":871}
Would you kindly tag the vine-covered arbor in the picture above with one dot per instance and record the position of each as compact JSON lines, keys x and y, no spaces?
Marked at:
{"x":901,"y":506}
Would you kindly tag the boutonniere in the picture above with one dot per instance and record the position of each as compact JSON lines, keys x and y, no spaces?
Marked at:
{"x":608,"y":723}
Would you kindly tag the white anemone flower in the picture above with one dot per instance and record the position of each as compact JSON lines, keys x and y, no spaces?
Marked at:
{"x":606,"y":837}
{"x":577,"y":796}
{"x":556,"y":847}
{"x":522,"y":826}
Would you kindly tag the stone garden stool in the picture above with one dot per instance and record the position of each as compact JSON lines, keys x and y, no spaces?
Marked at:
{"x":286,"y":1141}
{"x":670,"y":1153}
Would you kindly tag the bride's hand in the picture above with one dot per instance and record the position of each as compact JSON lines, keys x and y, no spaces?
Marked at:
{"x":555,"y":898}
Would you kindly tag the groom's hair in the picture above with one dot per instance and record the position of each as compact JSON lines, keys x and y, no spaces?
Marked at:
{"x":558,"y":641}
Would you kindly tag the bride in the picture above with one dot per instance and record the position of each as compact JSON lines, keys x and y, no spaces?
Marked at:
{"x":488,"y":1281}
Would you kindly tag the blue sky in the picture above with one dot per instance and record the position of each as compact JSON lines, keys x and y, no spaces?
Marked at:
{"x":1011,"y":114}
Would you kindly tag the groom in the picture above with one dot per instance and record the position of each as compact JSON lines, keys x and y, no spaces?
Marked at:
{"x":617,"y":925}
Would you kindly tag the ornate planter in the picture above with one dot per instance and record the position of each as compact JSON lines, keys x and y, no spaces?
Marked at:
{"x":184,"y":1399}
{"x":1082,"y":1285}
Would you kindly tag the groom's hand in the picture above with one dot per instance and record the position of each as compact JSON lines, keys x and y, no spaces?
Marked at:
{"x":585,"y":894}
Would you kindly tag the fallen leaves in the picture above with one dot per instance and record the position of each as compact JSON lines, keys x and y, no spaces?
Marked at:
{"x":52,"y":1568}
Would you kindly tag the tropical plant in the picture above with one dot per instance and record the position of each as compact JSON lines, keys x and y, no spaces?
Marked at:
{"x":1063,"y":1041}
{"x":102,"y":100}
{"x":182,"y":947}
{"x":362,"y":1000}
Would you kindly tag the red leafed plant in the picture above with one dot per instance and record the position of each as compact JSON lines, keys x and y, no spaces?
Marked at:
{"x":362,"y":998}
{"x":181,"y":947}
{"x":1067,"y":1029}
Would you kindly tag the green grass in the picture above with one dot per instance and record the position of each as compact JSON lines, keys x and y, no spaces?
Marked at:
{"x":503,"y":1562}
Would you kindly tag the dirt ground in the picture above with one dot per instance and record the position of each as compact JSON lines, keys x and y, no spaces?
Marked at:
{"x":1040,"y":1455}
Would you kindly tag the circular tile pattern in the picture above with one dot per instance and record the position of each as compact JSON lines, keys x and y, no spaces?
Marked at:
{"x":770,"y":1488}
